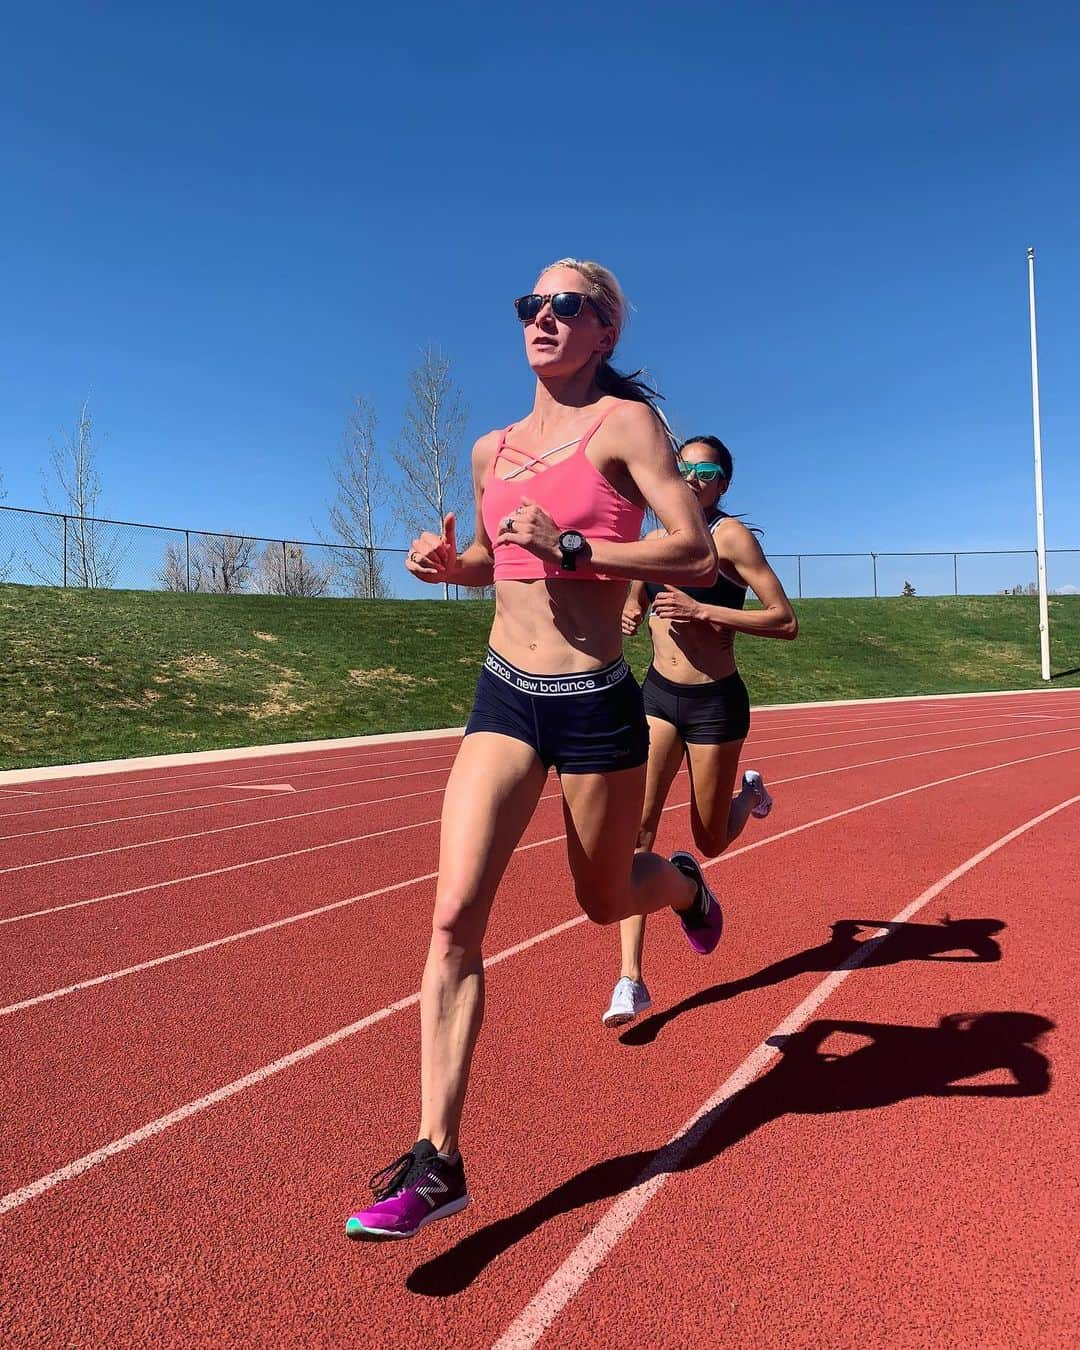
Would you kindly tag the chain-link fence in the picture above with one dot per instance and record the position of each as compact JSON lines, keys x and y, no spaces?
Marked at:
{"x":44,"y":548}
{"x":962,"y":572}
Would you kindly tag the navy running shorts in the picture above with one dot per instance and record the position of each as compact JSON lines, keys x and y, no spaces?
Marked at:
{"x":703,"y":714}
{"x":592,"y":722}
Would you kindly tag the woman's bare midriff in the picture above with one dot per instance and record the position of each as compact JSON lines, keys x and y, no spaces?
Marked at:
{"x":557,"y":627}
{"x":692,"y":653}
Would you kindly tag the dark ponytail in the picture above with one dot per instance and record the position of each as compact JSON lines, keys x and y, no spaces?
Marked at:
{"x":609,"y":302}
{"x":631,"y":387}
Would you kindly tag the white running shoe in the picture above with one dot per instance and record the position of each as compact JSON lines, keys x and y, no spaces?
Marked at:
{"x":629,"y":999}
{"x":754,"y":781}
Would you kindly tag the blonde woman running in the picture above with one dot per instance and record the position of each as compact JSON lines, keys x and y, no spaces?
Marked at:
{"x":560,"y":497}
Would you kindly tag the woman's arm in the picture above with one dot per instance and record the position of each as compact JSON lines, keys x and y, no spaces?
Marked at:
{"x":634,"y":607}
{"x":435,"y":558}
{"x":636,"y":603}
{"x":684,"y":552}
{"x":738,"y":546}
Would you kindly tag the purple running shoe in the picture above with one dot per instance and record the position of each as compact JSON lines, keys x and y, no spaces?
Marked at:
{"x":703,"y":922}
{"x":420,"y":1187}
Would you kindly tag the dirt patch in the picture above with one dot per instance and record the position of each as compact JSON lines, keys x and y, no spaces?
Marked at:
{"x":279,"y":702}
{"x":264,"y":637}
{"x":399,"y":679}
{"x":200,"y":666}
{"x":129,"y":704}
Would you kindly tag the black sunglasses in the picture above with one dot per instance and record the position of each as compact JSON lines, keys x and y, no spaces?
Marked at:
{"x":564,"y":305}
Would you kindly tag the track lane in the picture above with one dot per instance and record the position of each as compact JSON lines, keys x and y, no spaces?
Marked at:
{"x":42,"y":820}
{"x":266,"y":1239}
{"x":167,"y":856}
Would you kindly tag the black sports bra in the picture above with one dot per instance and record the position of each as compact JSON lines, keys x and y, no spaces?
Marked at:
{"x":725,"y":592}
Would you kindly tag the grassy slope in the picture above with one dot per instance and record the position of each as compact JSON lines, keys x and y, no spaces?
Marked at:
{"x":99,"y":674}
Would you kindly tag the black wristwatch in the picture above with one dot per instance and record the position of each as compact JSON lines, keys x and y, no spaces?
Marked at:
{"x":573,"y":545}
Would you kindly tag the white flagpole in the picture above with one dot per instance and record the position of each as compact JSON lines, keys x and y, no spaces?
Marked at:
{"x":1040,"y":521}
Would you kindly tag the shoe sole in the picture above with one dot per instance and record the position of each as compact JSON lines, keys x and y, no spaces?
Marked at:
{"x":386,"y":1235}
{"x":714,"y":941}
{"x":624,"y":1019}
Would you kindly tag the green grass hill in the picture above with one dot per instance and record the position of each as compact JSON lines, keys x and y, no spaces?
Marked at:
{"x":90,"y":675}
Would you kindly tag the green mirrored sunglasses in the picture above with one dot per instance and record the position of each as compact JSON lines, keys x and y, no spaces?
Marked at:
{"x":705,"y":473}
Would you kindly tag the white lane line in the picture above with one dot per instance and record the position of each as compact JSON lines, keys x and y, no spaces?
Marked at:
{"x":921,"y":754}
{"x":337,"y":765}
{"x":752,"y":742}
{"x":566,"y":1282}
{"x":207,"y":806}
{"x":328,"y":810}
{"x":80,"y":1165}
{"x":128,"y":1141}
{"x":229,"y":867}
{"x":261,"y":787}
{"x":213,"y":787}
{"x":94,"y":981}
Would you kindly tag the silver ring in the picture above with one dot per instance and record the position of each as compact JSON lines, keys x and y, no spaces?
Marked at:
{"x":413,"y":558}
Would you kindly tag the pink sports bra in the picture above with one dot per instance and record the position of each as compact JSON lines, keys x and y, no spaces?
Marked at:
{"x":574,"y":493}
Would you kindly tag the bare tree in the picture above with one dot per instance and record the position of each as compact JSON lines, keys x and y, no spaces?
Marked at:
{"x":174,"y":570}
{"x":432,"y":478}
{"x":5,"y":559}
{"x":221,"y":563}
{"x":285,"y":569}
{"x":81,"y":549}
{"x":224,"y":564}
{"x":361,"y":485}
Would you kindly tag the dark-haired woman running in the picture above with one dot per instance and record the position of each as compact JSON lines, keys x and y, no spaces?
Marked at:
{"x":695,"y":699}
{"x":560,"y":499}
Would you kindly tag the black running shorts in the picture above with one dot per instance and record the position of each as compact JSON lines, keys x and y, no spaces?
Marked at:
{"x":703,"y":714}
{"x":593,"y":722}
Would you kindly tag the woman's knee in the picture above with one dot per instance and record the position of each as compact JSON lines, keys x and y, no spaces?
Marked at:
{"x":602,"y":902}
{"x":710,"y":842}
{"x":458,"y":922}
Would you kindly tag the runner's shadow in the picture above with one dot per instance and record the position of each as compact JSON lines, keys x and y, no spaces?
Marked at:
{"x":905,"y":942}
{"x":898,"y":1063}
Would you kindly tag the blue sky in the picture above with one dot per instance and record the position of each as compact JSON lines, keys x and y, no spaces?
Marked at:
{"x":224,"y":221}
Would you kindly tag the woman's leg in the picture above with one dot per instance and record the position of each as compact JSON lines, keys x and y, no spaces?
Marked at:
{"x":603,"y":814}
{"x":665,"y":759}
{"x":717,"y":817}
{"x":492,"y":793}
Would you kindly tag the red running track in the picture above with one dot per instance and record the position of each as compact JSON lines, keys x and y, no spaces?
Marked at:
{"x":854,"y":1124}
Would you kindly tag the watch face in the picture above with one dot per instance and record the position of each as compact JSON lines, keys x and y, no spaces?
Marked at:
{"x":571,"y":541}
